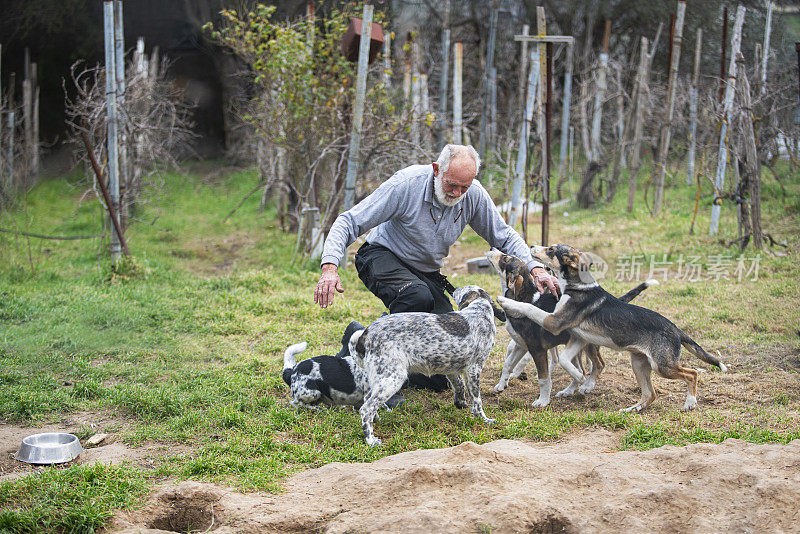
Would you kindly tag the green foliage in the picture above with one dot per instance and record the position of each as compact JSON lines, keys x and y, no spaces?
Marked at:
{"x":305,"y":98}
{"x":189,"y":355}
{"x":76,"y":499}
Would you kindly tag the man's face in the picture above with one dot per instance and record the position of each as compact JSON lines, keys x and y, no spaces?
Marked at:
{"x":450,"y":186}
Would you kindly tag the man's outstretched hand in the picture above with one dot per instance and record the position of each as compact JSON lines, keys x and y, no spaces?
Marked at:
{"x":328,"y":282}
{"x":544,"y":279}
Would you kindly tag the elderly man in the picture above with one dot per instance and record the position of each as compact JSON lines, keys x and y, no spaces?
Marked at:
{"x":415,"y":216}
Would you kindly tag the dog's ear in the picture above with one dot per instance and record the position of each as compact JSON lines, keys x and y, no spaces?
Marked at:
{"x":514,"y":284}
{"x":571,"y":260}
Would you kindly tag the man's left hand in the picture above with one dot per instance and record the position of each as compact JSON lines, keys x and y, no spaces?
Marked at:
{"x":543,"y":280}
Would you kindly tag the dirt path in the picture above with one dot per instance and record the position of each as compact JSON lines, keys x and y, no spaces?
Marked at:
{"x":575,"y":485}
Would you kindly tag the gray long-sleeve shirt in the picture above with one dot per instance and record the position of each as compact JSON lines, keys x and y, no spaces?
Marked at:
{"x":406,"y":218}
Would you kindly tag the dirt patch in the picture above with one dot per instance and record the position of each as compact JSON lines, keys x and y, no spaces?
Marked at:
{"x":574,"y":485}
{"x":220,"y":257}
{"x":758,"y":390}
{"x":109,"y":451}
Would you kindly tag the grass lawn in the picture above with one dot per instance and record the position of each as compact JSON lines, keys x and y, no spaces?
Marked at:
{"x":181,"y":346}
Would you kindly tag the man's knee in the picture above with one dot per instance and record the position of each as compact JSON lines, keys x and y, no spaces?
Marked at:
{"x":415,"y":298}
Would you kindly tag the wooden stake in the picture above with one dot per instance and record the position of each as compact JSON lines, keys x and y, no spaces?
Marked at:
{"x":641,"y":85}
{"x":457,"y":70}
{"x":523,"y":71}
{"x":487,"y":89}
{"x":752,"y":164}
{"x":547,"y":158}
{"x":723,"y":46}
{"x":675,"y":57}
{"x":444,"y":77}
{"x":693,"y":109}
{"x":765,"y":50}
{"x":599,"y":96}
{"x":358,"y":111}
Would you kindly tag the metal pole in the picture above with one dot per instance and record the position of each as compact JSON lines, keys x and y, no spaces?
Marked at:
{"x":457,"y":70}
{"x":119,"y":74}
{"x":358,"y":111}
{"x":109,"y":204}
{"x":727,"y":112}
{"x":522,"y":154}
{"x":565,"y":112}
{"x":523,"y":71}
{"x":547,"y":117}
{"x":111,"y":104}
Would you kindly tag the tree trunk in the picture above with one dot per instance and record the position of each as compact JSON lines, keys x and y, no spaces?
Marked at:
{"x":752,"y":164}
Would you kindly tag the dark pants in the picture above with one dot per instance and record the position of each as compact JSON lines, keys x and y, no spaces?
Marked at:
{"x":402,"y":288}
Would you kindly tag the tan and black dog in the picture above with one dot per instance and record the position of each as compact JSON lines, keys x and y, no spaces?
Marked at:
{"x":592,"y":315}
{"x":530,"y":341}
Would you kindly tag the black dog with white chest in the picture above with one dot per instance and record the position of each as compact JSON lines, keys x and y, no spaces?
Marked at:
{"x":329,"y":380}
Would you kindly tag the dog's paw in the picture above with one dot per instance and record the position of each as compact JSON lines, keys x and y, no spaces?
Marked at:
{"x":489,"y":422}
{"x":540,"y":403}
{"x":500,"y":387}
{"x":508,"y":306}
{"x":373,"y":442}
{"x":690,"y":404}
{"x":566,"y":392}
{"x":586,"y":387}
{"x":634,"y":408}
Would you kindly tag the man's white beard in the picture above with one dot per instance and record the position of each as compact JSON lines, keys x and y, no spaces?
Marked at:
{"x":438,"y":189}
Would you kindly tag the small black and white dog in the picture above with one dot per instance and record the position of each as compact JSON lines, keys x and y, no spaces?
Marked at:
{"x":330,"y":380}
{"x":455,"y":344}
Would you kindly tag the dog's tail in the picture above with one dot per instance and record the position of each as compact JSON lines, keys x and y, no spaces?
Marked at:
{"x":289,"y":361}
{"x":358,"y":346}
{"x":698,"y":351}
{"x":633,"y":293}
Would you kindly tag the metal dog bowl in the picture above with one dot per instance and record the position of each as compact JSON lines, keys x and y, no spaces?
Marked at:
{"x":49,"y":448}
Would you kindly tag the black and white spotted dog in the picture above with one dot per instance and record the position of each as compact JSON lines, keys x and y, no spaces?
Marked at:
{"x":456,"y":344}
{"x":329,"y":380}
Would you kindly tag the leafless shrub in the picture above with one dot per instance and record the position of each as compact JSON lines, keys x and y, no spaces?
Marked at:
{"x":154,"y":124}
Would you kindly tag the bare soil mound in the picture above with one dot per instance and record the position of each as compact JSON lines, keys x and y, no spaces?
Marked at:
{"x":576,"y":485}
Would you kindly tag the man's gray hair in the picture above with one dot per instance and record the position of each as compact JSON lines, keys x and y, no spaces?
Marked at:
{"x":449,"y":151}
